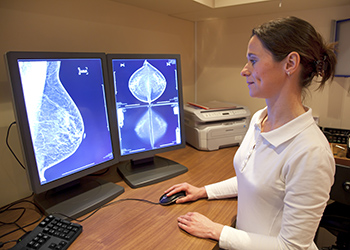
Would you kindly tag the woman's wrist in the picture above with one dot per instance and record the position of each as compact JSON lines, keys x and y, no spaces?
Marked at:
{"x":217,"y":231}
{"x":203,"y":193}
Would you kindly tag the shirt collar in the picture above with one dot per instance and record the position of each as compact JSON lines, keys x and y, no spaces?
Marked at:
{"x":288,"y":130}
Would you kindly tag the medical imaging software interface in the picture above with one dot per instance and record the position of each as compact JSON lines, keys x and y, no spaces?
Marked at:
{"x":147,"y":103}
{"x":66,"y":109}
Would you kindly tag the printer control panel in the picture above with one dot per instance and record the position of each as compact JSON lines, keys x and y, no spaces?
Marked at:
{"x":223,"y":113}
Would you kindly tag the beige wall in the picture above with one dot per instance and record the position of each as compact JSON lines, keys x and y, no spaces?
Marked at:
{"x":221,"y":46}
{"x":89,"y":25}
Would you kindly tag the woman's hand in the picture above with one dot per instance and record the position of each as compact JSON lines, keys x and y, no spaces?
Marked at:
{"x":192,"y":193}
{"x":200,"y":226}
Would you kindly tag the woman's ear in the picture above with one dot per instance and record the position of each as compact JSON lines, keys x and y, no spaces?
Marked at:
{"x":292,"y":63}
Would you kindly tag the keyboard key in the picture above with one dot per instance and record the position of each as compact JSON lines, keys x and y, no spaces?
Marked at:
{"x":51,"y":233}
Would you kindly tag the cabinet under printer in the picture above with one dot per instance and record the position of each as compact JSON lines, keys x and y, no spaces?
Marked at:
{"x":214,"y":128}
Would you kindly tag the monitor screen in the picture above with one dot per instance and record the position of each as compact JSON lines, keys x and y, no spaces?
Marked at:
{"x":64,"y":111}
{"x":148,"y":94}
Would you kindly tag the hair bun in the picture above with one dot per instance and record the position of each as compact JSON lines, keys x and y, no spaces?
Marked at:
{"x":321,"y":66}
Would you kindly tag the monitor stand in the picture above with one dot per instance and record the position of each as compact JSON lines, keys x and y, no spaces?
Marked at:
{"x":149,"y":171}
{"x":79,"y":198}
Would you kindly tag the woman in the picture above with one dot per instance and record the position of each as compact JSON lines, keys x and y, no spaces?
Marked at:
{"x":284,"y":166}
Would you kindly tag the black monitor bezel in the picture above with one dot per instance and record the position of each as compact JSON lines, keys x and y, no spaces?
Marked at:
{"x":23,"y":125}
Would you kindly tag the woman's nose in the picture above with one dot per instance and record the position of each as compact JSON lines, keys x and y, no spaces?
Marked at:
{"x":245,"y":71}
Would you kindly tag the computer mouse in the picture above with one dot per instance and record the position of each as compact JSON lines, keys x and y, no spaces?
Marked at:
{"x":167,"y":200}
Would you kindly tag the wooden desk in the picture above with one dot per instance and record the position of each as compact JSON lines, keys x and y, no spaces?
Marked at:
{"x":137,"y":225}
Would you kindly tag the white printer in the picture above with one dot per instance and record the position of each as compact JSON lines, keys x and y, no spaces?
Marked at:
{"x":215,"y":125}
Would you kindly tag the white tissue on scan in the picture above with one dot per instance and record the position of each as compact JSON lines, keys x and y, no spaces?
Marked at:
{"x":56,"y":124}
{"x":147,"y":83}
{"x":151,"y":127}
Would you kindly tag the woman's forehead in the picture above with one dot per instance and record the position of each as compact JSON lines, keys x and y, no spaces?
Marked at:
{"x":255,"y":47}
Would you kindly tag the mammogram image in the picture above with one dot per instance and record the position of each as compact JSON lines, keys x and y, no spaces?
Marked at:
{"x":147,"y":104}
{"x":55,"y":122}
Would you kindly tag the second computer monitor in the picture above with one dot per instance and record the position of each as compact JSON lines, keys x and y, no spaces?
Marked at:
{"x":148,"y":93}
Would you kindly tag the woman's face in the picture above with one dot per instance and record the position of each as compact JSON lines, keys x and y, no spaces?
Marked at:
{"x":264,"y":76}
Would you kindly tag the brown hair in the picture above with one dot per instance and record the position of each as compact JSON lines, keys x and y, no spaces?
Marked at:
{"x":289,"y":34}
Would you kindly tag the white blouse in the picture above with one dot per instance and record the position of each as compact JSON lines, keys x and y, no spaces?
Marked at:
{"x":283,"y":179}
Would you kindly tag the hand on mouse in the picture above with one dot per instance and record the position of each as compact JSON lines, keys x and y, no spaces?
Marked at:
{"x":200,"y":226}
{"x":192,"y":193}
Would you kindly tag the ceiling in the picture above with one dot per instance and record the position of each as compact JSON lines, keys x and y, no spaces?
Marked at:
{"x":200,"y":10}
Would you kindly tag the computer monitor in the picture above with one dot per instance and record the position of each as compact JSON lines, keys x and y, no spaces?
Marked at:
{"x":66,"y":120}
{"x":149,"y":108}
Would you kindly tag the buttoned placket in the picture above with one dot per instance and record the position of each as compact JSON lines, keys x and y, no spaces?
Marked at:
{"x":248,"y":156}
{"x":253,"y":147}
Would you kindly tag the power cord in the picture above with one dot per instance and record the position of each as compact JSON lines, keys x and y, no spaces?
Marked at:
{"x":8,"y":145}
{"x":2,"y":244}
{"x":11,"y":207}
{"x":20,"y":163}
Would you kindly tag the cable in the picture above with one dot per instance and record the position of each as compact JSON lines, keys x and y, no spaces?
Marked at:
{"x":4,"y":243}
{"x":4,"y":208}
{"x":106,"y":205}
{"x":19,"y":217}
{"x":7,"y":137}
{"x":9,"y":208}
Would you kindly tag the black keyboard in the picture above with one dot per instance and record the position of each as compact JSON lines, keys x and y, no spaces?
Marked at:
{"x":52,"y":233}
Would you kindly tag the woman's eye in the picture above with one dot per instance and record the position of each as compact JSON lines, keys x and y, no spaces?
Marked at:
{"x":252,"y":61}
